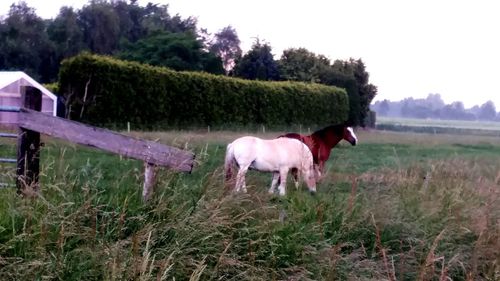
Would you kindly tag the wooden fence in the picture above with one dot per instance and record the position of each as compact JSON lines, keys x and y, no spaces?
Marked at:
{"x":32,"y":123}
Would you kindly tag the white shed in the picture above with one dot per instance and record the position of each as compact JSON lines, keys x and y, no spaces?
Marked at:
{"x":10,"y":95}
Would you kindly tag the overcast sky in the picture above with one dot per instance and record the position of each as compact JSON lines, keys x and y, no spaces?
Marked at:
{"x":410,"y":48}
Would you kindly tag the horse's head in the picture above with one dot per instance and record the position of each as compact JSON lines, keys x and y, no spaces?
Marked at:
{"x":309,"y":172}
{"x":349,"y":135}
{"x":331,"y":135}
{"x":307,"y":168}
{"x":310,"y":178}
{"x":318,"y":173}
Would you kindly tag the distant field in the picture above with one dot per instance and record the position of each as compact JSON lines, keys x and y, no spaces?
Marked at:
{"x":439,"y":126}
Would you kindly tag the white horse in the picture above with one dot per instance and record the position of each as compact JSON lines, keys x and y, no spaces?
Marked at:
{"x":276,"y":156}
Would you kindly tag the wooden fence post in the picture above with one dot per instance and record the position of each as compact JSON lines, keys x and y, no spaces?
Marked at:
{"x":28,"y":145}
{"x":149,"y":181}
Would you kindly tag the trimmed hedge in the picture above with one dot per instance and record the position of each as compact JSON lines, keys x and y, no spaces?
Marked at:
{"x":101,"y":90}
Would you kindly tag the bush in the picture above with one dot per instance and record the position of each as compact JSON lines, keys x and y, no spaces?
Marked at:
{"x":101,"y":90}
{"x":53,"y":87}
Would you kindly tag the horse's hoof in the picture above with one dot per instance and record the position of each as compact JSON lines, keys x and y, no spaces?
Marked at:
{"x":312,"y":192}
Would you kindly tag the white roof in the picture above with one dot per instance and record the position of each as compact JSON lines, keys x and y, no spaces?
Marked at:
{"x":9,"y":77}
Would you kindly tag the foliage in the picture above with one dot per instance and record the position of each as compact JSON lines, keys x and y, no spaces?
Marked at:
{"x":100,"y":26}
{"x":487,"y":111}
{"x":53,"y":87}
{"x":390,"y":211}
{"x":66,"y":33}
{"x":226,"y":46}
{"x":257,"y":64}
{"x":37,"y":46}
{"x":303,"y":65}
{"x":352,"y":75}
{"x":102,"y":90}
{"x":371,"y":119}
{"x":157,"y":18}
{"x":24,"y":43}
{"x":179,"y":51}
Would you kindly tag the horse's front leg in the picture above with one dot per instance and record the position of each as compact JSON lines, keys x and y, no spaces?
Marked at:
{"x":276,"y":178}
{"x":282,"y":186}
{"x":320,"y":170}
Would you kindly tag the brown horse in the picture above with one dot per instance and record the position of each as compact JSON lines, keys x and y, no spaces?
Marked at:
{"x":321,"y":143}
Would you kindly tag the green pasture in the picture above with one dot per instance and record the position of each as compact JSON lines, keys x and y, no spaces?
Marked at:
{"x":398,"y":206}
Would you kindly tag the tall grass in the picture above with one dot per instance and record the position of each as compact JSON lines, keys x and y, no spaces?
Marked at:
{"x":431,"y":219}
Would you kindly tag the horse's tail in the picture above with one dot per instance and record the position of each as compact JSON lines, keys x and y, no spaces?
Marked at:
{"x":228,"y":162}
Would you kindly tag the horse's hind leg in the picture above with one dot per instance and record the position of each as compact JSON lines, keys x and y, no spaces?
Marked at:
{"x":276,"y":178}
{"x":282,"y":186}
{"x":240,"y":179}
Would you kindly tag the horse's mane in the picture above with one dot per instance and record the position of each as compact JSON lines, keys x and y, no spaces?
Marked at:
{"x":338,"y":129}
{"x":306,"y":139}
{"x":292,"y":135}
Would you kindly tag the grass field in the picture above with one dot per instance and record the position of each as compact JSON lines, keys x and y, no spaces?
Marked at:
{"x":399,"y":206}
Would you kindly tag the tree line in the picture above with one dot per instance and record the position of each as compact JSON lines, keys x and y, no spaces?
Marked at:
{"x":434,"y":107}
{"x":150,"y":34}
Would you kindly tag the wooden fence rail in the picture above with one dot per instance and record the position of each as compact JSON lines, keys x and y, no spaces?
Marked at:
{"x":147,"y":151}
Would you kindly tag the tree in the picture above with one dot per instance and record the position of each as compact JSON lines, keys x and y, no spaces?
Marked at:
{"x":226,"y":46}
{"x":156,"y":18}
{"x":66,"y":34}
{"x":179,"y":51}
{"x":106,"y":27}
{"x":24,"y":44}
{"x":366,"y":91}
{"x":257,"y":64}
{"x":352,"y":76}
{"x":487,"y":111}
{"x":456,"y":111}
{"x":384,"y":108}
{"x":434,"y":101}
{"x":101,"y":27}
{"x":131,"y":17}
{"x":302,"y":65}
